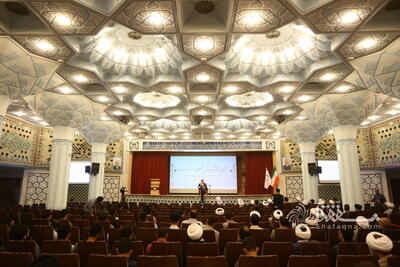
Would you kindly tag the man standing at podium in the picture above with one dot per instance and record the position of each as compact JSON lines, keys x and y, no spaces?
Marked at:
{"x":202,"y":190}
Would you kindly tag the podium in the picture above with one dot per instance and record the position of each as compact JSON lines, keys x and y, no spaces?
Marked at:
{"x":154,"y":186}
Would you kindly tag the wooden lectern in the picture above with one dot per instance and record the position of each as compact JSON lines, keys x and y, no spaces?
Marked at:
{"x":154,"y":186}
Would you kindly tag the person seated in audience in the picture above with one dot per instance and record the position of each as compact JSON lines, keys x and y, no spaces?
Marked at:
{"x":64,"y":232}
{"x":381,"y":246}
{"x":283,"y":224}
{"x":102,"y":213}
{"x":285,"y":200}
{"x":63,"y":215}
{"x":361,"y":223}
{"x":249,"y":248}
{"x":228,"y":217}
{"x":303,"y":234}
{"x":244,"y":231}
{"x":195,"y":233}
{"x":255,"y":220}
{"x":346,"y":211}
{"x":94,"y":232}
{"x":47,"y":261}
{"x":344,"y":235}
{"x":174,"y":219}
{"x":19,"y":232}
{"x":5,"y":218}
{"x":125,"y":249}
{"x":142,"y":217}
{"x":358,"y":209}
{"x":211,"y":221}
{"x":162,"y":234}
{"x":116,"y":224}
{"x":112,"y":213}
{"x":385,"y":223}
{"x":192,"y":219}
{"x":92,"y":204}
{"x":126,"y":232}
{"x":149,"y":217}
{"x":312,"y":201}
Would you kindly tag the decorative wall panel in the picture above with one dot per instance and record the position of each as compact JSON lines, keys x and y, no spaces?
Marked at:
{"x":386,"y":143}
{"x":17,"y":142}
{"x":370,"y":182}
{"x":81,"y":149}
{"x":114,"y":152}
{"x":326,"y":148}
{"x":78,"y":193}
{"x":365,"y":149}
{"x":290,"y":150}
{"x":36,"y":191}
{"x":43,"y":149}
{"x":329,"y":191}
{"x":294,"y":187}
{"x":111,"y":188}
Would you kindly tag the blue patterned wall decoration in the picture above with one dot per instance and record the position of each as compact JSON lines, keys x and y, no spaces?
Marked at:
{"x":209,"y":145}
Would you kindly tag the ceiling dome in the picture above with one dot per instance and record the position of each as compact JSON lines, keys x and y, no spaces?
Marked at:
{"x":293,"y":49}
{"x":118,"y":50}
{"x":156,"y":100}
{"x":249,"y":99}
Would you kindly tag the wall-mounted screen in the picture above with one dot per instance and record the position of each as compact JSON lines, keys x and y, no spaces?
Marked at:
{"x":330,"y":171}
{"x":77,"y":173}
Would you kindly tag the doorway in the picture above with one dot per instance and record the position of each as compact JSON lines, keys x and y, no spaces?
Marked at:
{"x":393,"y":178}
{"x":10,"y":184}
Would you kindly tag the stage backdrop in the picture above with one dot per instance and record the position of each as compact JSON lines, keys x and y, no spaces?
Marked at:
{"x":147,"y":165}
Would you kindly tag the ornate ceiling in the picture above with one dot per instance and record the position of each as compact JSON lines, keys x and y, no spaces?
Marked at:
{"x":193,"y":69}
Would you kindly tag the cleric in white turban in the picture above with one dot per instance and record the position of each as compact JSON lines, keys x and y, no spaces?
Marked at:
{"x":380,"y":245}
{"x":303,"y":234}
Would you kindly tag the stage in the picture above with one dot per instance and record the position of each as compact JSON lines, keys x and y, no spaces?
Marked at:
{"x":179,"y":198}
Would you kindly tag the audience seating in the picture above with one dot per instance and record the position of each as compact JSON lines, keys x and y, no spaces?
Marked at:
{"x":40,"y":221}
{"x":315,"y":248}
{"x":136,"y":245}
{"x":114,"y":234}
{"x":320,"y":235}
{"x":214,"y":261}
{"x":67,"y":259}
{"x":202,"y":249}
{"x":81,"y":223}
{"x":145,"y":225}
{"x":86,"y":248}
{"x":75,"y":234}
{"x":285,"y":235}
{"x":362,"y":234}
{"x":27,"y":218}
{"x":333,"y":236}
{"x":282,"y":249}
{"x":4,"y":232}
{"x":147,"y":235}
{"x":56,"y":246}
{"x":396,"y":248}
{"x":96,"y":260}
{"x":394,"y":234}
{"x":260,"y":236}
{"x":232,"y":252}
{"x":350,"y":248}
{"x":168,"y":248}
{"x":307,"y":261}
{"x":39,"y":233}
{"x":17,"y":259}
{"x":351,"y":260}
{"x":153,"y":261}
{"x":177,"y":235}
{"x":209,"y":236}
{"x":393,"y":261}
{"x":22,"y":246}
{"x":227,"y":235}
{"x":259,"y":261}
{"x":129,"y":224}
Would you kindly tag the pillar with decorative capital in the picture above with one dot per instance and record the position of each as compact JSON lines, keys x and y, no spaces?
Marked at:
{"x":349,"y":166}
{"x":57,"y":191}
{"x":96,"y":181}
{"x":4,"y":103}
{"x":310,"y":182}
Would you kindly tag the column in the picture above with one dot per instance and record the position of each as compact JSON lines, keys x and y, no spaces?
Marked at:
{"x":57,"y":191}
{"x":4,"y":103}
{"x":349,"y":166}
{"x":96,"y":182}
{"x":310,"y":182}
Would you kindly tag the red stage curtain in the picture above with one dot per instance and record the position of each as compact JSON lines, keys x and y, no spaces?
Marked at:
{"x":147,"y":165}
{"x":255,"y":172}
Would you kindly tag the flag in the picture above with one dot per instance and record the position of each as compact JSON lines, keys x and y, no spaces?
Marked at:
{"x":275,"y":179}
{"x":267,"y":181}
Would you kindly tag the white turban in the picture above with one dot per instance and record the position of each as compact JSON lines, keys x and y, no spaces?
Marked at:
{"x":270,"y":201}
{"x":362,"y":222}
{"x":312,"y":211}
{"x":331,"y":201}
{"x":256,"y":213}
{"x":240,"y":202}
{"x":220,"y":211}
{"x":303,"y":231}
{"x":311,"y":221}
{"x":194,"y":231}
{"x":305,"y":202}
{"x":252,"y":202}
{"x":379,"y":242}
{"x":319,"y":213}
{"x":265,"y":203}
{"x":321,"y":201}
{"x":218,"y":200}
{"x":298,"y":198}
{"x":278,"y":214}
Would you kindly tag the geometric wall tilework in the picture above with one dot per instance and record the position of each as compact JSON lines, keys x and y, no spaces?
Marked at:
{"x":370,"y":182}
{"x":294,"y":187}
{"x":37,"y":188}
{"x":111,"y":188}
{"x":81,"y":149}
{"x":43,"y":149}
{"x":365,"y":148}
{"x":329,"y":191}
{"x":78,"y":193}
{"x":326,"y":148}
{"x":386,"y":143}
{"x":17,"y":142}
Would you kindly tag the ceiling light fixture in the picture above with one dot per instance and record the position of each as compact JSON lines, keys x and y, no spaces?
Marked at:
{"x":105,"y":118}
{"x":173,"y":136}
{"x":393,"y":112}
{"x":102,"y":98}
{"x":287,"y":112}
{"x":304,"y":98}
{"x":202,"y":98}
{"x":287,"y":89}
{"x":156,"y":100}
{"x":36,"y":118}
{"x":119,"y":89}
{"x":262,"y":118}
{"x":62,"y":20}
{"x":373,"y":117}
{"x":367,"y":43}
{"x":204,"y":43}
{"x":20,"y":113}
{"x":118,"y":113}
{"x":44,"y":123}
{"x":343,"y":88}
{"x":253,"y":17}
{"x":329,"y":76}
{"x":231,"y":89}
{"x":175,"y":89}
{"x":204,"y":7}
{"x":156,"y":18}
{"x":203,"y":77}
{"x":349,"y":17}
{"x":249,"y":99}
{"x":80,"y":78}
{"x":300,"y":117}
{"x":44,"y":45}
{"x":364,"y":123}
{"x":231,"y":136}
{"x":65,"y":90}
{"x":202,"y":112}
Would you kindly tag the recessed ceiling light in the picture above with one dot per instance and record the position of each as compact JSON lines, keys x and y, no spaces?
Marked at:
{"x":62,"y":20}
{"x":287,"y":112}
{"x":203,"y":77}
{"x":266,"y":130}
{"x":102,"y":98}
{"x":36,"y":118}
{"x":300,"y":117}
{"x":105,"y":118}
{"x":349,"y":17}
{"x":304,"y":98}
{"x":65,"y":90}
{"x":273,"y":123}
{"x":182,"y":118}
{"x":287,"y":89}
{"x":19,"y":113}
{"x":328,"y":76}
{"x":343,"y":88}
{"x":373,"y":117}
{"x":253,"y":17}
{"x":186,"y":137}
{"x":155,"y":18}
{"x":231,"y":136}
{"x":202,"y":98}
{"x":44,"y":45}
{"x":143,"y":118}
{"x":217,"y":137}
{"x":131,"y":123}
{"x":231,"y":89}
{"x":118,"y":113}
{"x":44,"y":123}
{"x":222,"y":118}
{"x":202,"y":112}
{"x":364,"y":123}
{"x":393,"y":112}
{"x":80,"y":78}
{"x":262,"y":118}
{"x":397,"y":106}
{"x":173,"y":136}
{"x":204,"y":44}
{"x":367,"y":43}
{"x":175,"y":89}
{"x":119,"y":89}
{"x":187,"y":134}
